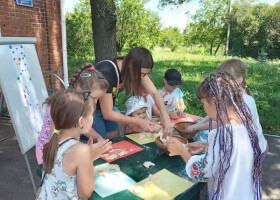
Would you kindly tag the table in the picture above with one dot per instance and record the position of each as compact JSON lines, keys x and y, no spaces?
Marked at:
{"x":133,"y":167}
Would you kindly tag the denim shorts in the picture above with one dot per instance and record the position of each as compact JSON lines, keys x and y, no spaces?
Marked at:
{"x":103,"y":126}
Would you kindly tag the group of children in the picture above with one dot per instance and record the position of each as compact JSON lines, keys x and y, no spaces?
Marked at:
{"x":233,"y":155}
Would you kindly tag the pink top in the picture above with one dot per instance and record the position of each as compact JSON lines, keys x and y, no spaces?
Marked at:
{"x":45,"y":135}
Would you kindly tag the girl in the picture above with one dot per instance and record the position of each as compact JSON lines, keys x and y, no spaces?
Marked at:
{"x":130,"y":71}
{"x":85,"y":78}
{"x":231,"y":165}
{"x":68,"y":164}
{"x":137,"y":107}
{"x":151,"y":106}
{"x":238,"y":70}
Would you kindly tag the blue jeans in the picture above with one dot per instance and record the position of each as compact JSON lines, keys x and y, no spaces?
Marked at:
{"x":103,"y":126}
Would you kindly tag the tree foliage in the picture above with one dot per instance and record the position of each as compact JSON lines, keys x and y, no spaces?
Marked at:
{"x":208,"y":25}
{"x":79,"y":31}
{"x":255,"y":30}
{"x":171,"y":37}
{"x":136,"y":26}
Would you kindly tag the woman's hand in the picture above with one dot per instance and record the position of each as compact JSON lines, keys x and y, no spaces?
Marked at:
{"x":196,"y":147}
{"x":99,"y":148}
{"x":148,"y":125}
{"x":191,"y":129}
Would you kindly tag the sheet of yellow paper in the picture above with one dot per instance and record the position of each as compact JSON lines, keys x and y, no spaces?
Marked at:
{"x":166,"y":186}
{"x":149,"y":192}
{"x":145,"y":140}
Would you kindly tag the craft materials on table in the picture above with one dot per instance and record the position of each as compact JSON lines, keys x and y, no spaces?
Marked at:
{"x":143,"y":138}
{"x":188,"y":118}
{"x":161,"y":186}
{"x":111,"y":182}
{"x":120,"y":150}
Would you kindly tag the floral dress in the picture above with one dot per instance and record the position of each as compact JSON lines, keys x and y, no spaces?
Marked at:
{"x":57,"y":185}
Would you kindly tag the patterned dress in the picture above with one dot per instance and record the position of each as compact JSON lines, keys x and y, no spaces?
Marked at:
{"x":57,"y":185}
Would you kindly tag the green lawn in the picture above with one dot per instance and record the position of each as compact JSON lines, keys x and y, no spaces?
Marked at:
{"x":262,"y":79}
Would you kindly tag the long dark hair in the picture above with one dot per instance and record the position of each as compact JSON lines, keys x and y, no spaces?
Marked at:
{"x":67,"y":106}
{"x":227,"y":92}
{"x":137,"y":58}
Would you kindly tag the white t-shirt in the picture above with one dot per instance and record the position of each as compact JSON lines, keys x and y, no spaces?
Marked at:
{"x":171,"y":99}
{"x":150,"y":102}
{"x":249,"y":100}
{"x":238,"y":182}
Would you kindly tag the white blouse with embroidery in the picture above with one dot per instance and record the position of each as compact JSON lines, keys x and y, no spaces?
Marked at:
{"x":238,"y":182}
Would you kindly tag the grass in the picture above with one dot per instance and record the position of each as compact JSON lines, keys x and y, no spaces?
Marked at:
{"x":262,"y":79}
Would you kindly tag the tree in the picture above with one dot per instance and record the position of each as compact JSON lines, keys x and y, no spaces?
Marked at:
{"x":163,"y":3}
{"x":136,"y":26}
{"x":79,"y":31}
{"x":228,"y":27}
{"x":104,"y":28}
{"x":208,"y":26}
{"x":171,"y":37}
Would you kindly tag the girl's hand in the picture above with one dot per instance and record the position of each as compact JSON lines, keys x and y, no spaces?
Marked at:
{"x":99,"y":148}
{"x":175,"y":147}
{"x":191,"y":129}
{"x":173,"y":115}
{"x":196,"y":147}
{"x":182,"y":114}
{"x":157,"y":128}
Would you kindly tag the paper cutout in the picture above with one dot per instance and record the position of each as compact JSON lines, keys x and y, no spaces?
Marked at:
{"x":166,"y":186}
{"x":119,"y":147}
{"x":135,"y":138}
{"x":112,"y":183}
{"x":26,"y":88}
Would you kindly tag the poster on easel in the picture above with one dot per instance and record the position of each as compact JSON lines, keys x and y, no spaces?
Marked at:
{"x":23,"y":87}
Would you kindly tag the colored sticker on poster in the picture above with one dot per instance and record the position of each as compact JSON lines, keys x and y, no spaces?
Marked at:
{"x":26,"y":87}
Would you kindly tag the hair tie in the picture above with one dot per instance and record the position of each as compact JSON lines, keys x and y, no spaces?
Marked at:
{"x":56,"y":131}
{"x":246,"y":86}
{"x":92,"y":68}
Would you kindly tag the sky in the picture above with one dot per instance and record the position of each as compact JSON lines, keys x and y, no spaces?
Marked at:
{"x":171,"y":15}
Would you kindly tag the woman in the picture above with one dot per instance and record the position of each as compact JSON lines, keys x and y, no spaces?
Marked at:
{"x":130,"y":71}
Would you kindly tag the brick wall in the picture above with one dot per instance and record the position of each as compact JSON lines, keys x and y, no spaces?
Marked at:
{"x":41,"y":21}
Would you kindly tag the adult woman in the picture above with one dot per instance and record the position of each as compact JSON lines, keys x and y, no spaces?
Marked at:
{"x":131,"y":71}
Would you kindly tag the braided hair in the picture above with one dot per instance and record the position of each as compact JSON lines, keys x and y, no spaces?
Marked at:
{"x":88,"y":78}
{"x":237,"y":69}
{"x":228,"y":94}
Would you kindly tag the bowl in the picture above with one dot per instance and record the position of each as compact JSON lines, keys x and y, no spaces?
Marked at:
{"x":164,"y":148}
{"x":181,"y":127}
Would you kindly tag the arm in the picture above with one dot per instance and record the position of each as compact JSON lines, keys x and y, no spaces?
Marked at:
{"x":106,"y":104}
{"x":150,"y":87}
{"x":85,"y":176}
{"x":156,"y":110}
{"x":181,"y":108}
{"x":201,"y":126}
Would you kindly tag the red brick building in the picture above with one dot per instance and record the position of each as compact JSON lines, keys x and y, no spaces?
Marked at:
{"x":42,"y":21}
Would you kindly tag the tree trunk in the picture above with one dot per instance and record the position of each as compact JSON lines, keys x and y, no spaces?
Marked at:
{"x":218,"y":47}
{"x":104,"y":29}
{"x":211,"y":49}
{"x":228,"y":28}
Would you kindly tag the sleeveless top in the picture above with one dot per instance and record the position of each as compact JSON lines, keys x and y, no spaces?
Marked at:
{"x":58,"y":185}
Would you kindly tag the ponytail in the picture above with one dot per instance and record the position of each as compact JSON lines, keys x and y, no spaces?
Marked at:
{"x":49,"y":153}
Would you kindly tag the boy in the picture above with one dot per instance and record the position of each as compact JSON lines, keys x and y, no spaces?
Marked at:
{"x":172,"y":95}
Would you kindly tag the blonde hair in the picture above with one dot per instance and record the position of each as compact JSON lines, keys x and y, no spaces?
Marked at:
{"x":237,"y":69}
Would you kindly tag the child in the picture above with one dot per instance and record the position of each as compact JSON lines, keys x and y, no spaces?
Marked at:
{"x":231,"y":165}
{"x":172,"y":95}
{"x":151,"y":106}
{"x":68,"y":164}
{"x":137,"y":107}
{"x":238,"y":70}
{"x":85,"y":78}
